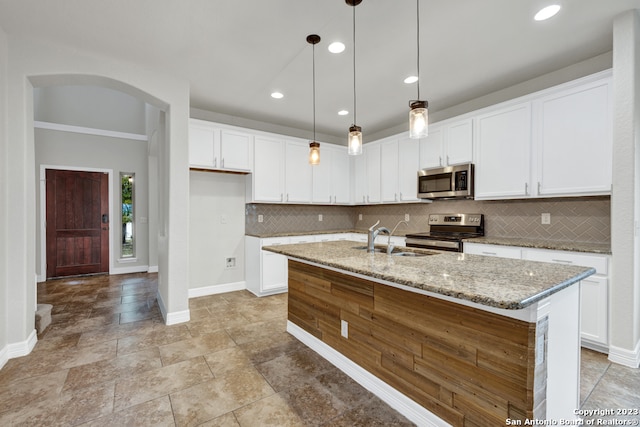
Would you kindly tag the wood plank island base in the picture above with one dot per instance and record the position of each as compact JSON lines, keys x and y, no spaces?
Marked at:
{"x":436,"y":358}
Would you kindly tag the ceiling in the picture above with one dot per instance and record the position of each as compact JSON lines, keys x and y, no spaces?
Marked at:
{"x":235,"y":53}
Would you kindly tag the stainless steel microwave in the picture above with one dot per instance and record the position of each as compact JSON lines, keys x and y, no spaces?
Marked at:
{"x":450,"y":182}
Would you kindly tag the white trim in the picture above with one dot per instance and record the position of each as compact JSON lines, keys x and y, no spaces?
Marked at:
{"x":4,"y":356}
{"x":172,"y":318}
{"x":217,"y":289}
{"x":622,"y":356}
{"x":22,"y":348}
{"x":128,"y":270}
{"x":398,"y":401}
{"x":43,"y":213}
{"x":152,"y":269}
{"x":89,"y":131}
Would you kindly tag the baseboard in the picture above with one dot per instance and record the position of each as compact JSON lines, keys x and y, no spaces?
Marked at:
{"x":622,"y":356}
{"x":172,"y":318}
{"x":600,"y":348}
{"x":131,"y":269}
{"x":18,"y":349}
{"x":398,"y":401}
{"x":217,"y":289}
{"x":152,"y":269}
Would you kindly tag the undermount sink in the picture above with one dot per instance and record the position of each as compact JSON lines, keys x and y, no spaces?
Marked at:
{"x":396,"y":251}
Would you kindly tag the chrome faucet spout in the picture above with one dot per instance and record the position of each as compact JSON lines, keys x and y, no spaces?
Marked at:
{"x":373,"y":233}
{"x":389,"y":245}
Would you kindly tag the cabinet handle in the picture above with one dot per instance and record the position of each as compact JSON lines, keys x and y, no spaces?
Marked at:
{"x":395,"y":197}
{"x":363,"y":199}
{"x":281,"y":197}
{"x":401,"y":197}
{"x":538,"y":187}
{"x":215,"y":162}
{"x":287,"y":197}
{"x":526,"y":188}
{"x":440,"y":160}
{"x":563,"y":261}
{"x":489,"y":253}
{"x":222,"y":163}
{"x":448,"y":162}
{"x":368,"y":199}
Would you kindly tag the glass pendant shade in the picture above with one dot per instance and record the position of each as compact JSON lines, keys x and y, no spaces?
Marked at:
{"x":354,"y":147}
{"x":418,"y":119}
{"x":314,"y":153}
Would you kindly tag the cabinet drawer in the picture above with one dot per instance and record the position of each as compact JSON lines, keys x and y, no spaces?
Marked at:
{"x":492,"y":250}
{"x":272,"y":241}
{"x":599,"y":262}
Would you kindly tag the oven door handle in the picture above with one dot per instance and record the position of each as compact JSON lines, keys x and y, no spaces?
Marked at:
{"x":423,"y":243}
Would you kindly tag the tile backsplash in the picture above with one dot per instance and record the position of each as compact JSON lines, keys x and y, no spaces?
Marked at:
{"x":583,"y":219}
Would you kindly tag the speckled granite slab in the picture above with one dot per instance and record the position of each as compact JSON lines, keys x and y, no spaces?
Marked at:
{"x":496,"y":282}
{"x":596,"y":248}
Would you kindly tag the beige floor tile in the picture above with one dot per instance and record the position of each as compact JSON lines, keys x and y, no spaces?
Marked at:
{"x":159,"y":382}
{"x":293,"y":369}
{"x":218,"y":396}
{"x":21,"y":393}
{"x":153,"y":338}
{"x":272,"y":411}
{"x":156,"y":413}
{"x":227,"y":360}
{"x":255,"y":331}
{"x":192,"y":347}
{"x":226,"y":420}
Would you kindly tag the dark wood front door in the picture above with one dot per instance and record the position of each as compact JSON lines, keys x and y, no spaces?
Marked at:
{"x":77,"y":222}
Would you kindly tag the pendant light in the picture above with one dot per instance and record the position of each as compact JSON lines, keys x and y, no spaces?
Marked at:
{"x":418,"y":112}
{"x":314,"y":147}
{"x":354,"y":142}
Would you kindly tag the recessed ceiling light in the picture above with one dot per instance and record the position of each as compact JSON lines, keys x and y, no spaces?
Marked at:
{"x":343,"y":112}
{"x":547,"y":12}
{"x":411,"y":79}
{"x":336,"y":47}
{"x":277,"y":95}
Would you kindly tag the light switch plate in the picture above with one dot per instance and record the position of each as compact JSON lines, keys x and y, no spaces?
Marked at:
{"x":344,"y":328}
{"x":320,"y":217}
{"x":407,"y":217}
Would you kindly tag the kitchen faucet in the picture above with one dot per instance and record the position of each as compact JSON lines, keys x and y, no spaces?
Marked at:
{"x":373,"y":233}
{"x":389,"y":245}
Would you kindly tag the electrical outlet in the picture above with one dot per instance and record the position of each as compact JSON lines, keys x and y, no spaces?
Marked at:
{"x":545,"y":219}
{"x":406,"y":217}
{"x":260,"y":218}
{"x":230,"y":262}
{"x":359,"y":217}
{"x":344,"y":328}
{"x":320,"y":217}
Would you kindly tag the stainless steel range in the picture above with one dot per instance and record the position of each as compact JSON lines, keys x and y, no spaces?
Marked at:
{"x":447,"y":232}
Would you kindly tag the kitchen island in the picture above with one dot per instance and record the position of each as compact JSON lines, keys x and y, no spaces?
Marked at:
{"x":444,"y":338}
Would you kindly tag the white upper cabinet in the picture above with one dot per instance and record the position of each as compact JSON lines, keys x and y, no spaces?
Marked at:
{"x":297,"y":173}
{"x":371,"y":153}
{"x":268,"y":170}
{"x":409,"y":163}
{"x":448,"y":143}
{"x":211,"y":147}
{"x":389,"y":171}
{"x":574,"y":141}
{"x":503,"y":153}
{"x":331,"y":177}
{"x":359,"y":177}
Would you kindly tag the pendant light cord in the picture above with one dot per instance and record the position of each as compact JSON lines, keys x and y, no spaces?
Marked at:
{"x":354,"y":64}
{"x":314,"y":92}
{"x":418,"y":42}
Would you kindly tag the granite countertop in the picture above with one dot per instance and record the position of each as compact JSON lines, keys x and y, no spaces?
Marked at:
{"x":496,"y":282}
{"x":597,"y":248}
{"x":305,"y":233}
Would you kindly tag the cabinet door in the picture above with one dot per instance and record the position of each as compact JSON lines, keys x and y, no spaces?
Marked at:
{"x":431,"y":149}
{"x":372,"y":163}
{"x":235,"y":150}
{"x":202,"y":145}
{"x":575,"y":141}
{"x":389,"y":171}
{"x":321,"y":176}
{"x":594,"y":299}
{"x":340,"y":175}
{"x":492,"y":250}
{"x":459,"y":142}
{"x":408,"y":165}
{"x":274,"y":272}
{"x":297,"y":173}
{"x":360,"y":179}
{"x":268,"y":170}
{"x":502,"y":165}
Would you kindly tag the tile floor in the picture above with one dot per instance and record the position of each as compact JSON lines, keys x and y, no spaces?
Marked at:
{"x":108,"y":360}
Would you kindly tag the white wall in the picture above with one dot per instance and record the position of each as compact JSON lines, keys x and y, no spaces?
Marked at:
{"x":66,"y":149}
{"x":90,"y":106}
{"x":4,"y":207}
{"x":625,"y":202}
{"x":216,"y":231}
{"x":39,"y":63}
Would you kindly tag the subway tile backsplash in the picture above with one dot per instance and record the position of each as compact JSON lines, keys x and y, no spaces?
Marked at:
{"x":583,"y":219}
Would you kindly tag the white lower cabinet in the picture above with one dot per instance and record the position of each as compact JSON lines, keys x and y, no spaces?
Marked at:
{"x":594,"y":290}
{"x":266,"y":272}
